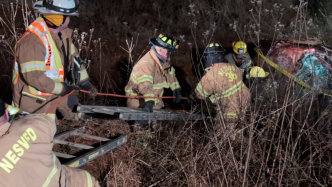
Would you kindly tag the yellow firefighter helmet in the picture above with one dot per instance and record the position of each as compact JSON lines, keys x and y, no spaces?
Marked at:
{"x":239,"y":47}
{"x":257,"y":71}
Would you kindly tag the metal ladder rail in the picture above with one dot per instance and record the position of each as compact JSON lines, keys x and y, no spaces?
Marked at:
{"x":95,"y":152}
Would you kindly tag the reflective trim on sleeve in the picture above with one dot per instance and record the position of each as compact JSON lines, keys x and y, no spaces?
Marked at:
{"x":175,"y":86}
{"x":130,"y":93}
{"x":34,"y":96}
{"x":228,"y":92}
{"x":171,"y":71}
{"x":53,"y":172}
{"x":12,"y":110}
{"x":160,"y":86}
{"x":51,"y":115}
{"x":89,"y":179}
{"x":143,"y":78}
{"x":150,"y":99}
{"x":83,"y":75}
{"x":58,"y":87}
{"x":15,"y":73}
{"x":33,"y":66}
{"x":201,"y":91}
{"x":72,"y":49}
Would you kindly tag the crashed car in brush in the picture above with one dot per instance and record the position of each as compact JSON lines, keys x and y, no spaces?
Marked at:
{"x":310,"y":62}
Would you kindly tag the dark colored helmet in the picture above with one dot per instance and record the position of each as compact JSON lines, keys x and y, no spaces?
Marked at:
{"x":214,"y":48}
{"x":166,"y":42}
{"x":214,"y":53}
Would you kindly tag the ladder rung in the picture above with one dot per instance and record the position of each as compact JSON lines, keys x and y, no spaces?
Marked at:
{"x":67,"y":134}
{"x":81,"y":146}
{"x":91,"y":137}
{"x":63,"y":155}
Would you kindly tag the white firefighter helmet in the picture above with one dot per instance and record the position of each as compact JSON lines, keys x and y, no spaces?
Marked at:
{"x":62,"y":7}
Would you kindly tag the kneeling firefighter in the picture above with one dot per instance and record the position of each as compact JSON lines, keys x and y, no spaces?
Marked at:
{"x":152,"y":74}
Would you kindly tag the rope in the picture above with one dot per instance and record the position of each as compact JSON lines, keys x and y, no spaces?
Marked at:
{"x":132,"y":96}
{"x":289,"y":75}
{"x":53,"y":107}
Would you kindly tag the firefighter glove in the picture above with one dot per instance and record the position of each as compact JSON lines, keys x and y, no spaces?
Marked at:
{"x":86,"y":85}
{"x":177,"y":95}
{"x":148,"y":106}
{"x":67,"y":89}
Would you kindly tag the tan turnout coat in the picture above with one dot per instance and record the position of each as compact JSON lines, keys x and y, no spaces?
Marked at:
{"x":149,"y":78}
{"x":26,"y":157}
{"x":29,"y":50}
{"x":222,"y":85}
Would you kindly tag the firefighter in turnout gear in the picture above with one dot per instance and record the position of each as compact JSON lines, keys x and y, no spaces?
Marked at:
{"x":152,"y":74}
{"x":47,"y":64}
{"x":240,"y":57}
{"x":26,"y":156}
{"x":222,"y":85}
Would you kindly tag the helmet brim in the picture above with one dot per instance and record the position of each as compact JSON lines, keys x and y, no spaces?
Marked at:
{"x":38,"y":6}
{"x":154,"y":41}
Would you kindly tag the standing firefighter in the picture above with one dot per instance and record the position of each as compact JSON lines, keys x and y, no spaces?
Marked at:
{"x":26,"y":157}
{"x":240,"y":57}
{"x":152,"y":74}
{"x":47,"y":62}
{"x":222,"y":85}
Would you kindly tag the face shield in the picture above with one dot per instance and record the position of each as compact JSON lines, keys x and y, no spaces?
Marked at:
{"x":240,"y":50}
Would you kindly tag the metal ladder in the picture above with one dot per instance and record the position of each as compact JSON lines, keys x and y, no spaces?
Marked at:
{"x":106,"y":145}
{"x":129,"y":114}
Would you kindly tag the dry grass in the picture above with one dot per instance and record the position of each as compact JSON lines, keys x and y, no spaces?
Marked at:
{"x":283,"y":140}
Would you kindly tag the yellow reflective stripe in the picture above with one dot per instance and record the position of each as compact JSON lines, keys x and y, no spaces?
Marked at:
{"x":230,"y":115}
{"x":143,"y":78}
{"x":228,"y":92}
{"x":130,"y":93}
{"x":35,"y":96}
{"x":12,"y":109}
{"x":15,"y":73}
{"x":89,"y":179}
{"x":201,"y":91}
{"x":51,"y":115}
{"x":83,"y":75}
{"x":175,"y":86}
{"x":33,"y":66}
{"x":161,"y":85}
{"x":150,"y":99}
{"x":171,"y":71}
{"x":58,"y":87}
{"x":73,"y":49}
{"x":53,"y":172}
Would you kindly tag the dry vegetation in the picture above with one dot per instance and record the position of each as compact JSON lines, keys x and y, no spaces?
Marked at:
{"x":283,"y":140}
